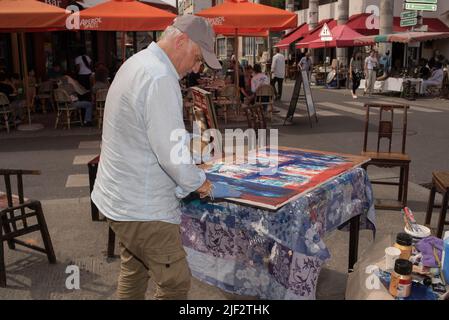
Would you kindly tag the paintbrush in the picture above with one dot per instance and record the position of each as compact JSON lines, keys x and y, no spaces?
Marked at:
{"x":411,"y":220}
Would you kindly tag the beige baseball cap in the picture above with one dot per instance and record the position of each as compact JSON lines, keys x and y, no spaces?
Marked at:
{"x":200,"y":32}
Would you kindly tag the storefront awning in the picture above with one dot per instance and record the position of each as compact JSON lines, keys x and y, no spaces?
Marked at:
{"x":363,"y":24}
{"x":293,"y":36}
{"x":343,"y":36}
{"x":402,"y":37}
{"x":315,"y":33}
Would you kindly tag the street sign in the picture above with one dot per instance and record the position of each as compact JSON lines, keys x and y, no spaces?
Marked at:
{"x":409,"y":22}
{"x":325,"y":33}
{"x":422,"y":1}
{"x":409,"y":14}
{"x":421,"y":6}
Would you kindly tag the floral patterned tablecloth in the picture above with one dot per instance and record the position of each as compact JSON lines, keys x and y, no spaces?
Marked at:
{"x":272,"y":254}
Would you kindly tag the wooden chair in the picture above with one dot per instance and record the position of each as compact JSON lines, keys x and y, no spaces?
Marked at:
{"x":265,"y":96}
{"x":256,"y":118}
{"x":6,"y":111}
{"x":64,"y":106}
{"x":388,"y":159}
{"x":229,"y":98}
{"x":17,"y":216}
{"x":44,"y":94}
{"x":440,"y":183}
{"x":100,"y":100}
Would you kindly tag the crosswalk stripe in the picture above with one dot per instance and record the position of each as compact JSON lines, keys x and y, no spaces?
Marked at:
{"x":77,"y":181}
{"x":326,"y":113}
{"x":342,"y":108}
{"x":83,"y":159}
{"x":428,"y":110}
{"x":323,"y":113}
{"x":95,"y":144}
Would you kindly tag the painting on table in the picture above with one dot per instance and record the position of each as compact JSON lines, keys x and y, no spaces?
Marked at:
{"x":271,"y":178}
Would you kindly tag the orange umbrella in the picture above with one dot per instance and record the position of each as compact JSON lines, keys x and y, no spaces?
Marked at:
{"x":29,"y":15}
{"x":124,"y":15}
{"x":240,"y":17}
{"x":241,"y":14}
{"x":26,"y":15}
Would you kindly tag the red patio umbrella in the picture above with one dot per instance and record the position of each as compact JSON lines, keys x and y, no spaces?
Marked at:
{"x":240,"y":16}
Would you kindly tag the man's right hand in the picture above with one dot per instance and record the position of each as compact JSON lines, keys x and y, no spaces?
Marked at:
{"x":205,"y":189}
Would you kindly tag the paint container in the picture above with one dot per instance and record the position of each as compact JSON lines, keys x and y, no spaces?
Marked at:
{"x":391,"y":254}
{"x":401,"y":279}
{"x":404,"y":243}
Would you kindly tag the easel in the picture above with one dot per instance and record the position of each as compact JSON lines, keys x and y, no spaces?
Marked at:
{"x":302,"y":80}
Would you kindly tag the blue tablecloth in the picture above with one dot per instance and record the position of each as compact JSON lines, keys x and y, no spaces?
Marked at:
{"x":272,"y":254}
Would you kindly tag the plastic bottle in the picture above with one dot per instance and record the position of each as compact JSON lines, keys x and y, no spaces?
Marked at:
{"x":445,"y":257}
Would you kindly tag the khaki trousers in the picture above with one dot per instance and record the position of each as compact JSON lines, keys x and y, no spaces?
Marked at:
{"x":370,"y":81}
{"x":154,"y":250}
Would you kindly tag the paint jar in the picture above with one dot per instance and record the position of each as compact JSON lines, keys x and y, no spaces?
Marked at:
{"x":401,"y":279}
{"x":404,"y":243}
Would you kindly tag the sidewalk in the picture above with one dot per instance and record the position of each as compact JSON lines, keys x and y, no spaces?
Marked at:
{"x":419,"y":102}
{"x":79,"y":241}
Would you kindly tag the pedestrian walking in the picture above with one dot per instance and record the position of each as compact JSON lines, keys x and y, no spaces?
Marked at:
{"x":278,"y":73}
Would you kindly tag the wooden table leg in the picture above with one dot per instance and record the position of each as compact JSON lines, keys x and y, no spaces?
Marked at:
{"x":442,"y":219}
{"x":405,"y":191}
{"x":354,"y":230}
{"x":111,"y":243}
{"x":430,"y":205}
{"x":92,"y":176}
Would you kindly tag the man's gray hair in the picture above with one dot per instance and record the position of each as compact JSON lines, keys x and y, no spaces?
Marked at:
{"x":170,"y":32}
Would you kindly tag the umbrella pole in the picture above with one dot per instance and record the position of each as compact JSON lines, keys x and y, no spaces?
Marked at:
{"x":29,"y":126}
{"x":25,"y":75}
{"x":236,"y":66}
{"x":123,"y":46}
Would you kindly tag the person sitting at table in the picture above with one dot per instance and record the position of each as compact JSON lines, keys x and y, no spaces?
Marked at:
{"x":259,"y":78}
{"x":436,"y":79}
{"x":245,"y":97}
{"x":78,"y":100}
{"x":100,"y":79}
{"x":434,"y":59}
{"x":6,"y":87}
{"x":423,"y":69}
{"x":11,"y":93}
{"x":248,"y":73}
{"x":55,"y":72}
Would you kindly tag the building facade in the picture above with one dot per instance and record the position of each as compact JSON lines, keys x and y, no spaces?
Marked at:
{"x":328,"y":9}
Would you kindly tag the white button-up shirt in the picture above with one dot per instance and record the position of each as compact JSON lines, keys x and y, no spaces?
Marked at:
{"x":137,"y":180}
{"x":278,"y":66}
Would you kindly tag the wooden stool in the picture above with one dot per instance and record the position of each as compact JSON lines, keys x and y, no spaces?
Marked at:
{"x":440,"y":183}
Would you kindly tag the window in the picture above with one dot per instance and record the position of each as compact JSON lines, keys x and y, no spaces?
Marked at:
{"x":221,"y":47}
{"x":248,"y":44}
